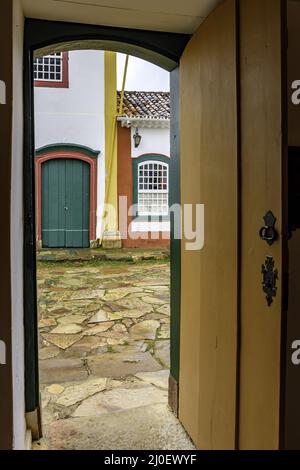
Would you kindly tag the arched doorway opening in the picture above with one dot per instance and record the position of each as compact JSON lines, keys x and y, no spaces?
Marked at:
{"x":74,"y":168}
{"x":159,"y":48}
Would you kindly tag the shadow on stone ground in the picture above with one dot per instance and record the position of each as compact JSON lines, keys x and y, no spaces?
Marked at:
{"x":104,"y":356}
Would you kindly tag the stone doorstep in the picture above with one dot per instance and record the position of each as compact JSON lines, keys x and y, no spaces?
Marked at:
{"x":151,"y":427}
{"x":111,"y":252}
{"x":120,"y":399}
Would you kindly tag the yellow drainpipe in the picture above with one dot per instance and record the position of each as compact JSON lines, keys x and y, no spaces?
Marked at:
{"x":123,"y":86}
{"x":111,"y":115}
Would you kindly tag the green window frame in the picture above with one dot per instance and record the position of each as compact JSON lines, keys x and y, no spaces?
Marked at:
{"x":142,"y":184}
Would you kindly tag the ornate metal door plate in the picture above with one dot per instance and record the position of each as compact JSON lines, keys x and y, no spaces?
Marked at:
{"x":270,"y":277}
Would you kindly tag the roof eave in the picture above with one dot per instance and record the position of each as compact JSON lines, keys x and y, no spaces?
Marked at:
{"x":158,"y":123}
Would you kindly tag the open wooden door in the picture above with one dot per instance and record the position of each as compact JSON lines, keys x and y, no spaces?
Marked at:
{"x":264,"y":189}
{"x":209,"y":176}
{"x":233,"y":149}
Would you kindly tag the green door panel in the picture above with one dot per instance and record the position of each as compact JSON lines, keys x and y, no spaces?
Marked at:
{"x":53,"y":201}
{"x":65,"y":203}
{"x":77,"y":203}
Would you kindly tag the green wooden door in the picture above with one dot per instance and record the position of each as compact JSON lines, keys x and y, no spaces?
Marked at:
{"x":65,"y":203}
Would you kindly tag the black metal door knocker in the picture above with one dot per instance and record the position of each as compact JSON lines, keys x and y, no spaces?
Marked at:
{"x":268,"y":233}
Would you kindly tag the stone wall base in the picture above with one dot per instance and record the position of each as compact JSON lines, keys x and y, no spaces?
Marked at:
{"x":174,"y":395}
{"x":111,"y":241}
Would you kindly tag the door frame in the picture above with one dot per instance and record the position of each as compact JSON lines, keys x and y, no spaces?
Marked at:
{"x":66,"y":151}
{"x":162,"y":49}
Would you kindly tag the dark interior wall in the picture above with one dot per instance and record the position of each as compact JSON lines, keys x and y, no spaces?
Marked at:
{"x":292,"y":410}
{"x":5,"y":173}
{"x":293,"y":69}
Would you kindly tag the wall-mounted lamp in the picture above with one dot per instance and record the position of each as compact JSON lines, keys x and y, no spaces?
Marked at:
{"x":137,"y":138}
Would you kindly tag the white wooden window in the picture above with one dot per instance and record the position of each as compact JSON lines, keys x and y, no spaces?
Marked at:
{"x":153,"y":188}
{"x":49,"y":68}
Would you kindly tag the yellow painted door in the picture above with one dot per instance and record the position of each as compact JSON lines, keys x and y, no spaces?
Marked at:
{"x":233,"y":148}
{"x":263,"y":189}
{"x":209,"y":278}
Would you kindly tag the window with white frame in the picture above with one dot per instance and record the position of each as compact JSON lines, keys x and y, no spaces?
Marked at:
{"x":49,"y":68}
{"x":153,"y":188}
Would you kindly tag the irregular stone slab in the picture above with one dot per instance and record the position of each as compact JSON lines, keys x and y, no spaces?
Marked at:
{"x":57,"y":311}
{"x":131,"y":347}
{"x":113,"y":306}
{"x":120,"y":328}
{"x":156,"y":316}
{"x":112,"y":383}
{"x":116,"y":334}
{"x":86,"y":345}
{"x":95,"y":330}
{"x":133,"y":313}
{"x":152,"y":300}
{"x":162,"y":352}
{"x":158,"y":288}
{"x":57,"y":371}
{"x":128,"y":382}
{"x":47,"y":322}
{"x":165,"y":309}
{"x":114,"y":338}
{"x":55,"y":389}
{"x":120,"y":399}
{"x":128,"y":322}
{"x":135,"y":304}
{"x":67,"y":329}
{"x":152,"y":427}
{"x":71,"y":319}
{"x":91,"y":308}
{"x":145,"y":329}
{"x":62,"y":341}
{"x":72,"y":281}
{"x":119,"y":293}
{"x":103,"y":316}
{"x":122,"y":364}
{"x":87,"y":294}
{"x":159,"y":379}
{"x":48,"y":352}
{"x":137,"y":295}
{"x":76,"y":393}
{"x":152,"y":283}
{"x":164,"y":332}
{"x":45,"y":400}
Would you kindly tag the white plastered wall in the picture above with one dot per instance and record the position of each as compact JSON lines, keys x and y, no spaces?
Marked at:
{"x":75,"y":115}
{"x":153,"y":141}
{"x":17,"y":233}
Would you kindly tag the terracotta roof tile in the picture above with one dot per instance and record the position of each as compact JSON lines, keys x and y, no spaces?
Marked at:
{"x":146,"y":104}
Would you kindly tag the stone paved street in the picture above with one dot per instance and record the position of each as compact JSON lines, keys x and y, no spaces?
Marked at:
{"x":104,"y":355}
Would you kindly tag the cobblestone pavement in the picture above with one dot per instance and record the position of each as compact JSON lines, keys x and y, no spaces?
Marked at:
{"x":104,"y":354}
